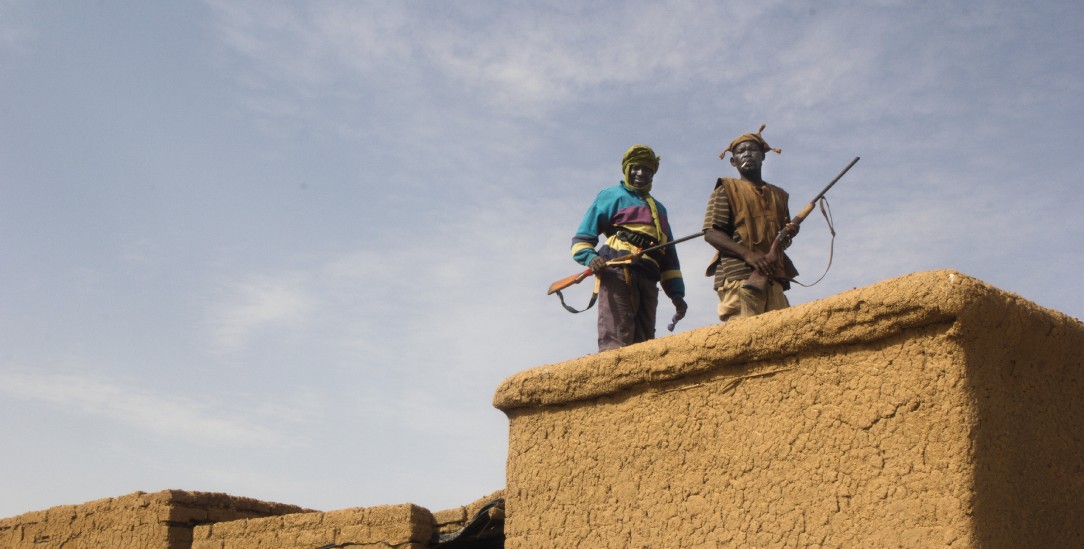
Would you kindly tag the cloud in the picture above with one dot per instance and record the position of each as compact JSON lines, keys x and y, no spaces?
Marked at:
{"x":15,"y":36}
{"x":258,"y":304}
{"x":165,"y":416}
{"x":523,"y":64}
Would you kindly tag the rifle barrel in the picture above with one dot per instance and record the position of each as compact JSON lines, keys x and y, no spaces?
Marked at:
{"x":838,"y":177}
{"x":671,"y":242}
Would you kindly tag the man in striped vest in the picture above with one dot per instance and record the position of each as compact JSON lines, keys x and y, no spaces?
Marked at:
{"x":743,"y":216}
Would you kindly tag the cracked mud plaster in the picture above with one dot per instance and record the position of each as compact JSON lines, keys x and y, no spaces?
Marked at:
{"x":900,"y":435}
{"x":135,"y":521}
{"x":401,"y":526}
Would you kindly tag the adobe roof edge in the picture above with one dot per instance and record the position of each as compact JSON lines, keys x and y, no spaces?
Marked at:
{"x":860,"y":315}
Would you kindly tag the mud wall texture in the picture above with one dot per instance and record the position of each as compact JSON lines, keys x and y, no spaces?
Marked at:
{"x":136,"y":521}
{"x":454,"y":519}
{"x":928,"y":410}
{"x":175,"y":519}
{"x":405,"y":526}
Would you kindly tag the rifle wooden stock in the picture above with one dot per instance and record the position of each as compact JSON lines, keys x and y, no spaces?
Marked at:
{"x":568,"y":281}
{"x":623,"y":260}
{"x":759,"y":281}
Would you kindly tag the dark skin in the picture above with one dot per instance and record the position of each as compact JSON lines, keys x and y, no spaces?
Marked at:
{"x":747,"y":158}
{"x":640,"y":176}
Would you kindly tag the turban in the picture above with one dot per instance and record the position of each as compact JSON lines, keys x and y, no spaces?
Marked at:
{"x":750,"y":137}
{"x":639,"y":155}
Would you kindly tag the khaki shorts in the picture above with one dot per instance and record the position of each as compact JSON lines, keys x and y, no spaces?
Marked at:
{"x":738,"y":302}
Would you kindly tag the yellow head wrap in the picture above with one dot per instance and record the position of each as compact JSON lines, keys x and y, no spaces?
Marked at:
{"x":750,"y":137}
{"x":640,"y":155}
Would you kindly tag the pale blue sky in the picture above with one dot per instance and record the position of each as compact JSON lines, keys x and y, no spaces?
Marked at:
{"x":289,"y":250}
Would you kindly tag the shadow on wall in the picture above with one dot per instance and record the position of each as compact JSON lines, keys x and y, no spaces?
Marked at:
{"x":1025,"y":374}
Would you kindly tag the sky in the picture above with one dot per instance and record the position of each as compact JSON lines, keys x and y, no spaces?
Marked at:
{"x":289,"y":250}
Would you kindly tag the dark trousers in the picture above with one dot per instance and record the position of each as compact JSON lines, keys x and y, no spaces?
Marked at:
{"x":626,"y":308}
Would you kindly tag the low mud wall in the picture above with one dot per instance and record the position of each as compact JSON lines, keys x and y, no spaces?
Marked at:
{"x":406,"y":526}
{"x":175,"y":519}
{"x":139,"y":520}
{"x":927,"y":410}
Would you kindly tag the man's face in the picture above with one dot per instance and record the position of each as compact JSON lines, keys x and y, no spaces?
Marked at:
{"x":640,"y":176}
{"x":748,"y":157}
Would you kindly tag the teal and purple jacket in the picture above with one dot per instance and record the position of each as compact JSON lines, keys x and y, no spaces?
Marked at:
{"x":618,"y":208}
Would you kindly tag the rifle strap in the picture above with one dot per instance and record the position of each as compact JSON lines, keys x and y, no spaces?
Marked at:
{"x":594,"y":297}
{"x":826,"y":211}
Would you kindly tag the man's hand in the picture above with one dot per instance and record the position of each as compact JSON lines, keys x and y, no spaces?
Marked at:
{"x":790,"y":230}
{"x":760,"y":262}
{"x":597,"y":264}
{"x":682,"y":308}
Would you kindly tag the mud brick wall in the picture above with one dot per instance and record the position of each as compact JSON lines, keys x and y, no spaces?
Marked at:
{"x":927,"y":410}
{"x":136,"y":521}
{"x":403,"y":526}
{"x":456,"y":518}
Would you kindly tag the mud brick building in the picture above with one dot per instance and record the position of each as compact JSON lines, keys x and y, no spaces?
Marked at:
{"x":925,"y":411}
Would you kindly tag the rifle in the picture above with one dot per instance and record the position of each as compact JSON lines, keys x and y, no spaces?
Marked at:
{"x":625,"y":259}
{"x":759,"y":282}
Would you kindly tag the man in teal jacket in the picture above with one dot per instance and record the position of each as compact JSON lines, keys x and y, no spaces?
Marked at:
{"x":631,"y":219}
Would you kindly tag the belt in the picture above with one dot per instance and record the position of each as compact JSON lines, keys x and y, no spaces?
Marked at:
{"x":636,"y":239}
